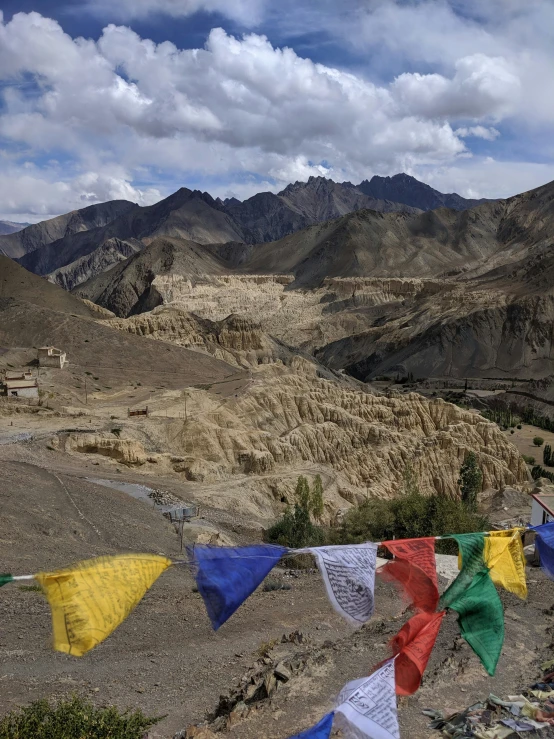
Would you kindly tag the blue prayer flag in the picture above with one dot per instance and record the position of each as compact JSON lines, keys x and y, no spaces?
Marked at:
{"x":545,"y":545}
{"x":322,"y":730}
{"x":226,"y":576}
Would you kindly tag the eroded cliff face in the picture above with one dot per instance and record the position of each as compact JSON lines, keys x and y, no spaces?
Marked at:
{"x":237,"y":340}
{"x":288,"y":419}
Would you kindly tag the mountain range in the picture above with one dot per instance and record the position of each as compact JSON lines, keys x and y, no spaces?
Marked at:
{"x":441,"y":292}
{"x":74,"y":247}
{"x":10,"y":227}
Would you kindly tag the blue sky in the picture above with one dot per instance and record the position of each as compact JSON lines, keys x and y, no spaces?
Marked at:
{"x":135,"y":98}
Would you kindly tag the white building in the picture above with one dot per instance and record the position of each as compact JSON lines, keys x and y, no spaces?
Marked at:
{"x":49,"y":356}
{"x":21,"y":388}
{"x":542,"y":509}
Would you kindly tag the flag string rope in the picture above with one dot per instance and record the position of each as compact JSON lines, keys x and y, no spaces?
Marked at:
{"x":308,"y":550}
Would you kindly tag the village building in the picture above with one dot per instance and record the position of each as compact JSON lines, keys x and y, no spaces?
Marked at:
{"x":542,"y":509}
{"x":18,"y":375}
{"x":49,"y":356}
{"x":20,"y":388}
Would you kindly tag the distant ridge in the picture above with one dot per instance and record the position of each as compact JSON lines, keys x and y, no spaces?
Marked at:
{"x":402,"y":188}
{"x":77,"y":246}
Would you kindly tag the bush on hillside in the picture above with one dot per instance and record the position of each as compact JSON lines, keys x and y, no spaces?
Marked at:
{"x":410,"y":516}
{"x":528,"y":458}
{"x":295,"y":530}
{"x":73,"y":718}
{"x":538,"y":440}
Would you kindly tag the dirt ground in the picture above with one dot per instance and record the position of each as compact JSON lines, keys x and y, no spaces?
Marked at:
{"x":166,"y":659}
{"x":523,"y":439}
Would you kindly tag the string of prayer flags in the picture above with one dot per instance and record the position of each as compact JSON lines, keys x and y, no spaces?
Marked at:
{"x":90,"y":599}
{"x":321,"y":730}
{"x":369,"y":711}
{"x":227,"y":576}
{"x":413,"y":646}
{"x":349,"y":576}
{"x":5,"y":579}
{"x":481,"y":619}
{"x":415,"y":570}
{"x":545,"y":546}
{"x":505,"y":559}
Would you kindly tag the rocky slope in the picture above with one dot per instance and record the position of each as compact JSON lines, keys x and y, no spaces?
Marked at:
{"x":34,"y":312}
{"x":40,"y":234}
{"x":110,"y":253}
{"x":288,"y":419}
{"x":235,"y":339}
{"x":403,"y":188}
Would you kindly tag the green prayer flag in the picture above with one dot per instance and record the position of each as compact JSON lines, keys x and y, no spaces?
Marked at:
{"x":4,"y":579}
{"x":481,"y":619}
{"x":471,"y":548}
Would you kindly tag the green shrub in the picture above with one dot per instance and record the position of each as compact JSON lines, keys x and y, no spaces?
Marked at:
{"x":527,"y":458}
{"x":295,"y":530}
{"x":519,"y":426}
{"x":538,"y":440}
{"x":72,"y":719}
{"x":116,"y":432}
{"x":407,"y":517}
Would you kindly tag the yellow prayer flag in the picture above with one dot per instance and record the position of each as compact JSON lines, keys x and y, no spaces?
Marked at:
{"x":504,"y":556}
{"x":90,"y":599}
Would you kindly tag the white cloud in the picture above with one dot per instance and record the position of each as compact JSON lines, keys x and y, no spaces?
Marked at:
{"x":127,"y":109}
{"x":28,"y":194}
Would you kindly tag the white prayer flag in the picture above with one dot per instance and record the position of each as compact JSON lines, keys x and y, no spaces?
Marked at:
{"x":369,"y":712}
{"x":349,"y":576}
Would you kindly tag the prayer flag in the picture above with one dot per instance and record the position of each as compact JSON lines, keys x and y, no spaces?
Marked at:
{"x":321,"y":730}
{"x":472,"y":548}
{"x":349,"y":576}
{"x":420,"y":552}
{"x":413,"y":644}
{"x":370,"y":712}
{"x":5,"y":579}
{"x":415,"y":570}
{"x":505,"y":559}
{"x":227,"y":576}
{"x":545,"y":546}
{"x":90,"y":599}
{"x":481,"y":619}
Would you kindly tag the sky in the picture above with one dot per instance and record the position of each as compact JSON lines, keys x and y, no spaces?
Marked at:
{"x":132,"y":99}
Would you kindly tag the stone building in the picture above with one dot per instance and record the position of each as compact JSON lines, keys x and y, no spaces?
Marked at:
{"x":49,"y":356}
{"x":20,"y":388}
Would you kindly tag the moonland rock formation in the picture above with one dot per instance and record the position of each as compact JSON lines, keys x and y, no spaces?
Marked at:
{"x":291,"y":422}
{"x":235,"y":339}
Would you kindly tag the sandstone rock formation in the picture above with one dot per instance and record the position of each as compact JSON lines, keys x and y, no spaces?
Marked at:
{"x":288,"y":421}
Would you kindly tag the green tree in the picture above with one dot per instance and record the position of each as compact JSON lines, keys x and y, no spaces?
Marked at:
{"x":303,"y":493}
{"x":410,"y":481}
{"x":316,"y":500}
{"x":470,"y":481}
{"x":538,"y":440}
{"x":295,"y":530}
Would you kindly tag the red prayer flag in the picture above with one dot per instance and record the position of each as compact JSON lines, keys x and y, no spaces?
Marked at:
{"x":415,"y":570}
{"x":413,"y":644}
